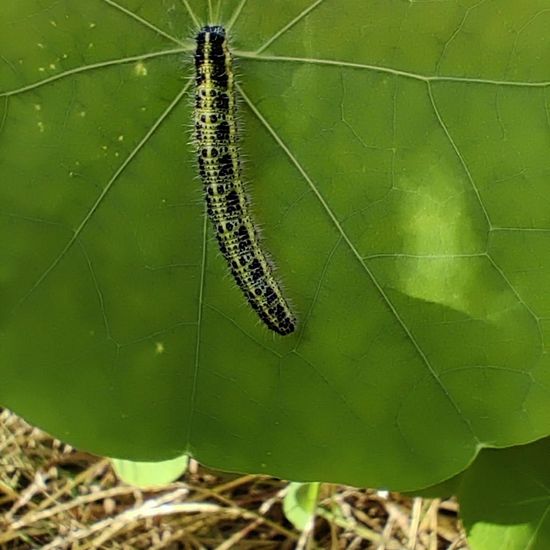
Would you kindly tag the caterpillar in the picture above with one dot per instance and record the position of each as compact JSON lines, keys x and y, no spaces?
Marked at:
{"x":219,"y":167}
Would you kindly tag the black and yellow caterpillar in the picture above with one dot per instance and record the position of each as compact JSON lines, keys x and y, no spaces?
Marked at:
{"x":220,"y":171}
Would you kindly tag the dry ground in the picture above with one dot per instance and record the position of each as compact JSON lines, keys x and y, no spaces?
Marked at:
{"x":55,"y":497}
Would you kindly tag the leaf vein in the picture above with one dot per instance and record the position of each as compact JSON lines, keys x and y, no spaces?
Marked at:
{"x":460,"y":157}
{"x":390,"y":70}
{"x":288,"y":26}
{"x":93,"y":66}
{"x":317,"y":291}
{"x":431,"y":370}
{"x":78,"y":231}
{"x":194,"y":382}
{"x":143,"y":21}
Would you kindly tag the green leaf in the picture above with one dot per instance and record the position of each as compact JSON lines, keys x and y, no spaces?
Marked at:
{"x":146,"y":474}
{"x":300,"y":502}
{"x":505,"y":499}
{"x":445,"y":489}
{"x":397,"y":159}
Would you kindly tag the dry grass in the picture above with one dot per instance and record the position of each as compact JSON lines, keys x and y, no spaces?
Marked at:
{"x":54,"y":497}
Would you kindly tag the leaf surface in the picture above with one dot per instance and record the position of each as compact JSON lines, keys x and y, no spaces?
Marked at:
{"x":147,"y":474}
{"x":400,"y":179}
{"x":505,"y":499}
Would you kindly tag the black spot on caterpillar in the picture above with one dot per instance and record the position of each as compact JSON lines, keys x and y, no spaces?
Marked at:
{"x":220,"y":171}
